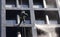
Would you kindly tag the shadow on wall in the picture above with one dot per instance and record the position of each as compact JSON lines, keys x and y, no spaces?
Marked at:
{"x":39,"y":32}
{"x":57,"y":31}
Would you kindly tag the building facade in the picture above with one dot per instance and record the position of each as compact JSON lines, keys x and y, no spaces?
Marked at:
{"x":43,"y":18}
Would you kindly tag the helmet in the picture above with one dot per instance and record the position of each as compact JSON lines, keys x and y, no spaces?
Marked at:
{"x":23,"y":11}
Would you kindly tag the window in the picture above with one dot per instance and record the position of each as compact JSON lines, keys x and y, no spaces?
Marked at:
{"x":40,"y":17}
{"x":23,"y":3}
{"x":13,"y":17}
{"x":13,"y":31}
{"x":53,"y":17}
{"x":38,"y":4}
{"x":10,"y":3}
{"x":50,"y":3}
{"x":46,"y":17}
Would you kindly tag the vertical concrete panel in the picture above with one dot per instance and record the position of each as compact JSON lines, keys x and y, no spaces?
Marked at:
{"x":59,"y":17}
{"x":34,"y":31}
{"x":0,"y":18}
{"x":3,"y":17}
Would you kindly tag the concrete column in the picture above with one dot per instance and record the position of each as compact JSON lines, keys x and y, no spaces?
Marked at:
{"x":19,"y":5}
{"x":32,"y":12}
{"x":3,"y":31}
{"x":3,"y":19}
{"x":31,"y":3}
{"x":58,"y":3}
{"x":18,"y":19}
{"x":59,"y":17}
{"x":47,"y":19}
{"x":34,"y":32}
{"x":32,"y":17}
{"x":17,"y":2}
{"x":50,"y":35}
{"x":44,"y":2}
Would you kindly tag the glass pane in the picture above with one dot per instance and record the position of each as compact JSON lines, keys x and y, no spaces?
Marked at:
{"x":39,"y":17}
{"x":23,"y":3}
{"x":51,"y":18}
{"x":11,"y":17}
{"x":38,"y":4}
{"x":10,"y":3}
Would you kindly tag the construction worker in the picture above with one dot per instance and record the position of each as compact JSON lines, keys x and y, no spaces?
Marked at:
{"x":23,"y":15}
